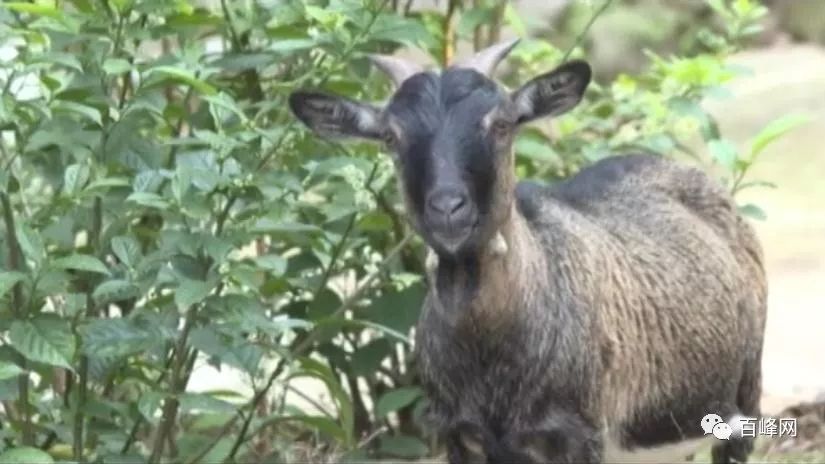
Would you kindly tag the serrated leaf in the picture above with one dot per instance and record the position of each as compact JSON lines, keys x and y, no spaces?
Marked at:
{"x":26,"y":455}
{"x":396,"y":399}
{"x":184,"y":76}
{"x":116,"y":337}
{"x":75,"y":178}
{"x":774,"y":130}
{"x":8,"y":280}
{"x":191,"y":292}
{"x":127,"y":250}
{"x":81,"y":263}
{"x":47,"y":340}
{"x":9,"y":370}
{"x":114,"y":290}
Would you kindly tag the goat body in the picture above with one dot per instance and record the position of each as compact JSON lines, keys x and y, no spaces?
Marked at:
{"x":630,"y":304}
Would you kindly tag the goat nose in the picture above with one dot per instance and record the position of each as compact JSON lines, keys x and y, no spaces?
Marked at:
{"x":447,"y":202}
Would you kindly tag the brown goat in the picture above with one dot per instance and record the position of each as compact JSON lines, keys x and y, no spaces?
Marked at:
{"x":576,"y":323}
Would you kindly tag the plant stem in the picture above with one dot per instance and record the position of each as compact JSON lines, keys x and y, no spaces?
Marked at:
{"x":17,"y":308}
{"x":177,"y":383}
{"x":494,"y":34}
{"x":83,"y":370}
{"x":586,"y":29}
{"x":139,"y":421}
{"x":449,"y":33}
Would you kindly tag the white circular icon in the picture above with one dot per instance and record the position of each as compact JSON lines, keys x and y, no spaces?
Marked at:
{"x":722,"y":431}
{"x":709,"y":421}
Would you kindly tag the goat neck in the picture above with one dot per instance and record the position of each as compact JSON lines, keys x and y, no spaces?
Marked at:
{"x":489,"y":285}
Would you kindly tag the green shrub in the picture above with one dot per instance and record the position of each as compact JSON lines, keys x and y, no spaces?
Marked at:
{"x":162,"y":210}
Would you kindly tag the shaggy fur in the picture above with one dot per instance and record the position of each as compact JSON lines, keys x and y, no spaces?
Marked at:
{"x":632,"y":298}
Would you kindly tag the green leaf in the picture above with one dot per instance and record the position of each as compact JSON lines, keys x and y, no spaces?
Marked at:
{"x":127,"y":250}
{"x":397,"y":310}
{"x":396,"y":399}
{"x":117,"y":337}
{"x":273,"y":263}
{"x":31,"y":243}
{"x":75,"y":178}
{"x":88,"y":112}
{"x":535,"y":146}
{"x":148,"y":404}
{"x":724,"y":152}
{"x":81,"y":263}
{"x":237,"y":353}
{"x":203,"y":402}
{"x":151,"y":200}
{"x":116,"y":66}
{"x":403,"y":446}
{"x":8,"y":280}
{"x":324,"y":304}
{"x":367,"y":359}
{"x":753,"y":211}
{"x":191,"y":292}
{"x":9,"y":370}
{"x":115,"y":290}
{"x":183,"y":76}
{"x":39,"y":9}
{"x":26,"y":454}
{"x":314,"y":368}
{"x":46,"y":340}
{"x":774,"y":131}
{"x":321,"y":423}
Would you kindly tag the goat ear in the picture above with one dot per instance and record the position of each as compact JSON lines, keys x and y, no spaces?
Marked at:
{"x":335,"y":116}
{"x":553,"y":93}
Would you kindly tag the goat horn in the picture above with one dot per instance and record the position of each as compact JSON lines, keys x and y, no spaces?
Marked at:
{"x":486,"y":60}
{"x":397,"y":69}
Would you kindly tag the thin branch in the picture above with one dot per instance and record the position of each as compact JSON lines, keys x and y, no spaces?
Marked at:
{"x":494,"y":33}
{"x":315,"y":404}
{"x":448,"y":29}
{"x":15,"y":264}
{"x":586,"y":29}
{"x":177,"y":384}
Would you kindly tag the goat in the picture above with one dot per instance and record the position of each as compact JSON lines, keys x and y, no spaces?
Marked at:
{"x":602,"y":316}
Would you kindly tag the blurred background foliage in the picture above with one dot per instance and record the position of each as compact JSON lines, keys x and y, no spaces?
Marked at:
{"x":162,"y":211}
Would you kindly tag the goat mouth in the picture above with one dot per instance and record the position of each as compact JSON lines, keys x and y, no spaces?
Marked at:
{"x":451,"y":239}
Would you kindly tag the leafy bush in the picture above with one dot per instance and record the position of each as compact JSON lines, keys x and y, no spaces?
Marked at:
{"x":162,"y":210}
